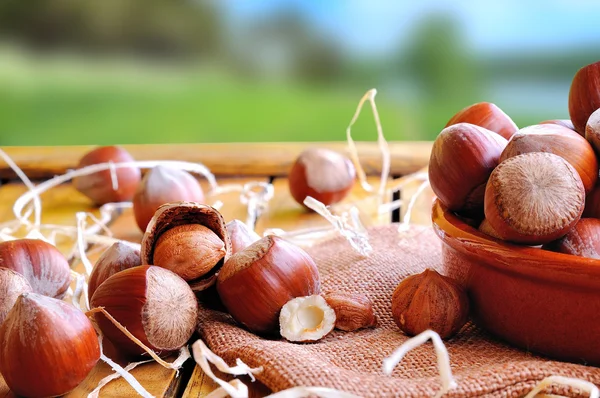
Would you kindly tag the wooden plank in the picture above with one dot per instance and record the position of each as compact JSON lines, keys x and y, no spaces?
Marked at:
{"x":285,"y":213}
{"x":236,"y":159}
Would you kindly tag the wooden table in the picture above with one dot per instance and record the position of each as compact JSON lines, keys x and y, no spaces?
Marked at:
{"x":232,"y":164}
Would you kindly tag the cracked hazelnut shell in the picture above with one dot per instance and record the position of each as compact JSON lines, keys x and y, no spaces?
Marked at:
{"x":193,"y":268}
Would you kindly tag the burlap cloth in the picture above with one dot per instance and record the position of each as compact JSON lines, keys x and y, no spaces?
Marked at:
{"x":352,"y":361}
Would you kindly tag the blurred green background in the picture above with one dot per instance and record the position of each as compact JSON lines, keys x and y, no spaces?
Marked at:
{"x":168,"y":71}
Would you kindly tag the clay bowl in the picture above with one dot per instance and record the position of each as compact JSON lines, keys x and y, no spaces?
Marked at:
{"x":541,"y":301}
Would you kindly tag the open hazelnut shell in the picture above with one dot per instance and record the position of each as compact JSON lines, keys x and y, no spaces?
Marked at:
{"x":171,"y":215}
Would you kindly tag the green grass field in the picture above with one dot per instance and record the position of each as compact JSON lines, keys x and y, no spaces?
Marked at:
{"x":67,"y":102}
{"x":62,"y":104}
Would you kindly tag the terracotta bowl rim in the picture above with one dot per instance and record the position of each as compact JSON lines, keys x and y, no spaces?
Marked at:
{"x":521,"y":259}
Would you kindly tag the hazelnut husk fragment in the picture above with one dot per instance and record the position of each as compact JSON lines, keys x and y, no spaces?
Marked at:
{"x":12,"y":285}
{"x":353,"y":311}
{"x":189,"y":239}
{"x":430,"y":301}
{"x":462,"y":159}
{"x":582,"y":240}
{"x":118,"y":257}
{"x":306,"y":319}
{"x":534,"y":198}
{"x":163,"y":185}
{"x":323,"y":174}
{"x":44,"y":267}
{"x":241,"y":236}
{"x":154,"y":304}
{"x":488,"y":116}
{"x":99,"y":186}
{"x":47,"y":347}
{"x":254,"y":284}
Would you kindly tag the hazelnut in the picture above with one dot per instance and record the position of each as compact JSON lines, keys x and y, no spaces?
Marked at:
{"x":592,"y":204}
{"x":119,"y":257}
{"x":430,"y":301}
{"x":582,"y":240}
{"x":488,"y":116}
{"x":241,"y":236}
{"x":99,"y":186}
{"x":306,"y":319}
{"x":561,"y":122}
{"x":44,"y":267}
{"x":462,"y":159}
{"x":12,"y":285}
{"x":561,"y":141}
{"x":353,"y":311}
{"x":190,"y":239}
{"x":47,"y":347}
{"x":323,"y":174}
{"x":163,"y":185}
{"x":534,"y":198}
{"x":592,"y":130}
{"x":584,"y":95}
{"x":153,"y":303}
{"x":254,"y":284}
{"x":189,"y":250}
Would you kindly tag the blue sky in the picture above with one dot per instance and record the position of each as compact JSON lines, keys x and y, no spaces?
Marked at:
{"x":375,"y":27}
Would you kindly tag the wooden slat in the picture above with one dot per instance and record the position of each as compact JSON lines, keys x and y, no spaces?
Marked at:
{"x":241,"y":159}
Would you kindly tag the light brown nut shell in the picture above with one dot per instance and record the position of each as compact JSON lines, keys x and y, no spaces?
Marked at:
{"x":174,"y":214}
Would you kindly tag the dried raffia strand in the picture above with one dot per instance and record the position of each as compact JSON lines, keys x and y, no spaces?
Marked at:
{"x":81,"y":245}
{"x":356,"y":234}
{"x":37,"y":203}
{"x":443,"y":360}
{"x":383,"y":147}
{"x":222,"y":392}
{"x":202,"y":356}
{"x":80,"y":290}
{"x":565,"y":381}
{"x":24,"y":199}
{"x":96,"y":392}
{"x":113,"y":175}
{"x":184,"y":355}
{"x":405,"y":224}
{"x":124,"y":373}
{"x":401,"y":183}
{"x":133,"y":338}
{"x":256,"y":202}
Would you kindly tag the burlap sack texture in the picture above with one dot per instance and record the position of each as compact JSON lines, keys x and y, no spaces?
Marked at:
{"x":352,"y":361}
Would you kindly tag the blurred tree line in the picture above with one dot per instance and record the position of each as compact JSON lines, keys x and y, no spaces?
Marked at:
{"x":436,"y":62}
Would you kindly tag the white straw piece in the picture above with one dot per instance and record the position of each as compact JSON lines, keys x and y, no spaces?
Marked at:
{"x":37,"y":203}
{"x":355,"y":234}
{"x":443,"y":359}
{"x":202,"y":355}
{"x":382,"y":143}
{"x":583,"y":385}
{"x":124,"y":374}
{"x":34,"y":193}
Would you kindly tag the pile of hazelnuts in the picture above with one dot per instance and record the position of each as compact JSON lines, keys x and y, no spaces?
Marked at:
{"x":189,"y":258}
{"x":531,"y":186}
